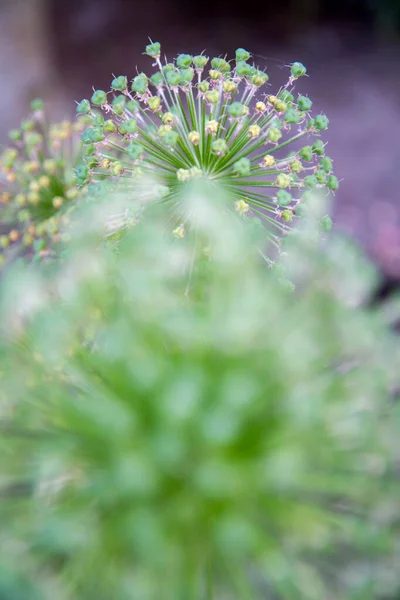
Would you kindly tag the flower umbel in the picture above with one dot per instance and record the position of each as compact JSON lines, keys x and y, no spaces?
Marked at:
{"x":223,"y":123}
{"x":37,"y":181}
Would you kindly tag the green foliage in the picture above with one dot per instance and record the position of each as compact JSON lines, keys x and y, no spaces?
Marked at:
{"x":184,"y":429}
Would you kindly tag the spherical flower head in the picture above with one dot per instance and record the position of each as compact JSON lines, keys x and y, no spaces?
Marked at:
{"x":183,"y":120}
{"x":36,"y":173}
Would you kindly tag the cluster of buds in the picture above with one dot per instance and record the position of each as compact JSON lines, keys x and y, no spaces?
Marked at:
{"x":37,"y":182}
{"x":214,"y":119}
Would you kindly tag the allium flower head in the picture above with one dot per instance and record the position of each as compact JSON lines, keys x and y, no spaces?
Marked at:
{"x":215,"y":118}
{"x":37,"y":181}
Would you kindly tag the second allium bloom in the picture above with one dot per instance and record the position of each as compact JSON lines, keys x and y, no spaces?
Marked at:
{"x":215,"y":118}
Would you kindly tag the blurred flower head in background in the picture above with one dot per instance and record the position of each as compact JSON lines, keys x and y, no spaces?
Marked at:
{"x":187,"y":429}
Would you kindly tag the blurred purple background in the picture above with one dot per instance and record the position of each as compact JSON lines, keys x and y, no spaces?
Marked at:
{"x":59,"y":49}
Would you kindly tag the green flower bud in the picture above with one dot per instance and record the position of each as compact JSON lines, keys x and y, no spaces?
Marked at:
{"x":173,"y":78}
{"x":203,"y":86}
{"x":117,"y":169}
{"x":242,"y":55}
{"x":332,"y":182}
{"x":274,"y":134}
{"x":287,"y":215}
{"x":157,"y":79}
{"x":320,"y":176}
{"x":237,"y":110}
{"x":184,"y":60}
{"x":135,"y":150}
{"x":215,"y":75}
{"x":296,"y":166}
{"x":97,"y":135}
{"x":229,"y":86}
{"x":28,"y":125}
{"x":109,"y":126}
{"x":82,"y":174}
{"x":37,"y":104}
{"x":118,"y":105}
{"x":242,"y":167}
{"x":200,"y":61}
{"x":259,"y":78}
{"x":119,"y":83}
{"x":304,"y":103}
{"x":194,"y":137}
{"x":326,"y":164}
{"x":153,"y":49}
{"x":298,"y":69}
{"x":4,"y":241}
{"x":187,"y":75}
{"x":128,"y":127}
{"x":310,"y":181}
{"x":86,"y":136}
{"x":326,"y":223}
{"x":213,"y":96}
{"x":154,"y":103}
{"x":306,"y":153}
{"x":89,"y":149}
{"x":321,"y":122}
{"x":292,"y":116}
{"x":286,"y":96}
{"x":99,"y":98}
{"x":301,"y":210}
{"x":219,"y":147}
{"x":220,"y":65}
{"x":132,"y":106}
{"x":15,"y":135}
{"x":283,"y":180}
{"x":139,"y":84}
{"x":98,"y":121}
{"x":311,"y":124}
{"x":284,"y":198}
{"x":318,"y":147}
{"x":83,"y":108}
{"x":168,"y":67}
{"x":33,"y":139}
{"x":170,"y":138}
{"x":243,"y":69}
